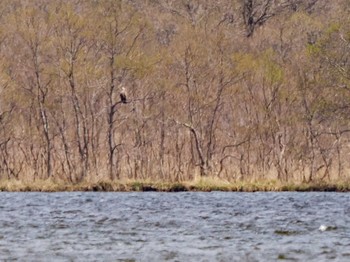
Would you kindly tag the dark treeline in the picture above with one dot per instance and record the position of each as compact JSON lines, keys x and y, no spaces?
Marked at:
{"x":236,"y":89}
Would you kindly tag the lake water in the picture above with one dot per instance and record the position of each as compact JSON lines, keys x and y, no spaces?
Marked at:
{"x":188,"y":226}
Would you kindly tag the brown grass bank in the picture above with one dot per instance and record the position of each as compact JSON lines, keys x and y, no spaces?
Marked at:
{"x":197,"y":185}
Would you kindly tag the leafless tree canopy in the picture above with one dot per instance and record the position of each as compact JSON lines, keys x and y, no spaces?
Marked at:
{"x":242,"y":89}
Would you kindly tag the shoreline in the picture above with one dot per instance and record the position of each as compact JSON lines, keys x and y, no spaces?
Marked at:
{"x":198,"y":185}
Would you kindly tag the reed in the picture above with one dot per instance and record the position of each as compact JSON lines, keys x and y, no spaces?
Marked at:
{"x":205,"y":184}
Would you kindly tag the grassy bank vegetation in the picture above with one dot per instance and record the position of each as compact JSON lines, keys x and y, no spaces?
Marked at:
{"x":202,"y":184}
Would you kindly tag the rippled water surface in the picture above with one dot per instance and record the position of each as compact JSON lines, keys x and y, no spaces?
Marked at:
{"x":186,"y":226}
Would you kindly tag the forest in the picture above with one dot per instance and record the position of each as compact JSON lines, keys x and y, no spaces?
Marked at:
{"x":238,"y":90}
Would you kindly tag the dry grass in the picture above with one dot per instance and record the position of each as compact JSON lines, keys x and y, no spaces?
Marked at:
{"x":200,"y":184}
{"x":39,"y":185}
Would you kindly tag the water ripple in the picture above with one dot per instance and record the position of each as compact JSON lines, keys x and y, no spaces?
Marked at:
{"x":186,"y":226}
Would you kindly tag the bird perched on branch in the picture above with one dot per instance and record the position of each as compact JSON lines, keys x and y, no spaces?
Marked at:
{"x":123,"y":95}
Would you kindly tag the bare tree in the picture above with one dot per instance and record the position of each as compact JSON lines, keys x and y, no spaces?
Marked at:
{"x":256,"y":13}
